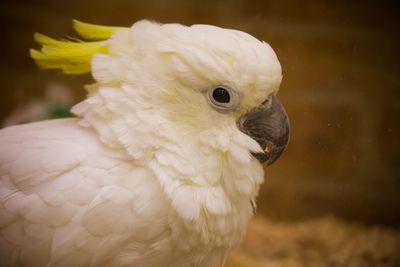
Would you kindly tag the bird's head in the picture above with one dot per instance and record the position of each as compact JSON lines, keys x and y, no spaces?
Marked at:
{"x":206,"y":83}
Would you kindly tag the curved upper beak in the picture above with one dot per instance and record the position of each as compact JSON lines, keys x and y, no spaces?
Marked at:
{"x":268,"y":124}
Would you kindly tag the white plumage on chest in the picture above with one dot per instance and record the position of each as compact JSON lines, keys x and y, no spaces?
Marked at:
{"x":94,"y":205}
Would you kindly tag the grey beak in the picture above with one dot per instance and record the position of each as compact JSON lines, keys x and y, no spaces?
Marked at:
{"x":269,"y":126}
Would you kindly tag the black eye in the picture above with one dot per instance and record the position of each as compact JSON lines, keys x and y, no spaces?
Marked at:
{"x":221,"y":95}
{"x":223,"y":99}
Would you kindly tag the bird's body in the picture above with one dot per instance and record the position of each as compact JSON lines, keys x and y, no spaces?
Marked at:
{"x":151,"y":173}
{"x":59,"y":181}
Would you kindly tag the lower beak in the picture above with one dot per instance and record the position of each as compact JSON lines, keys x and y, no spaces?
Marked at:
{"x":268,"y":124}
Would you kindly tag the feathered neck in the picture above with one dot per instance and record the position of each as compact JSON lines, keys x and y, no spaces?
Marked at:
{"x":210,"y":189}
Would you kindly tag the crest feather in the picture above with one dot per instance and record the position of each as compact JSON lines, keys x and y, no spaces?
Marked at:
{"x":73,"y":56}
{"x":94,"y":32}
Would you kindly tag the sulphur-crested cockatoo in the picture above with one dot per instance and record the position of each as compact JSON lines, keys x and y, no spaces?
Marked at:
{"x":162,"y":164}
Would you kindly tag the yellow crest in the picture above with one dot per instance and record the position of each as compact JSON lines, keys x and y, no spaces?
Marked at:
{"x":73,"y":56}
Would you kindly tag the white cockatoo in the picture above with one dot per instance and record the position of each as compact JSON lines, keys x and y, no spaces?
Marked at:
{"x":162,"y":165}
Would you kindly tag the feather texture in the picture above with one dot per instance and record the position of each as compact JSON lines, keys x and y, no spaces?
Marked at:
{"x":73,"y":57}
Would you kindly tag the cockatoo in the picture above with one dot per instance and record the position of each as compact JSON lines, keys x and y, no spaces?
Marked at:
{"x":162,"y":165}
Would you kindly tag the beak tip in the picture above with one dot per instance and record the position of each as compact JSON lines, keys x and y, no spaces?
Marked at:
{"x":269,"y":158}
{"x":269,"y":163}
{"x":274,"y":155}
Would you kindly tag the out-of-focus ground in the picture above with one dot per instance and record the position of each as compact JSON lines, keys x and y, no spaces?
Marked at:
{"x":341,"y":89}
{"x":322,"y":242}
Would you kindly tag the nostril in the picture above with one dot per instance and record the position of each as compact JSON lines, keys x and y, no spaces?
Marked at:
{"x":267,"y":102}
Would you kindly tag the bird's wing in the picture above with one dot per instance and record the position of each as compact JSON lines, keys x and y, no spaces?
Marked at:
{"x":65,"y":197}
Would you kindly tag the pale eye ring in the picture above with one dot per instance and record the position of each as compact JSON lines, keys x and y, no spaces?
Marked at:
{"x":223,"y":99}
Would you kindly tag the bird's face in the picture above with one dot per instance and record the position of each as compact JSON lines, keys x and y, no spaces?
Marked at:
{"x":225,"y":80}
{"x":209,"y":83}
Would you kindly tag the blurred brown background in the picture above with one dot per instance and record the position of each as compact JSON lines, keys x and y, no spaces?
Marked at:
{"x":340,"y":88}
